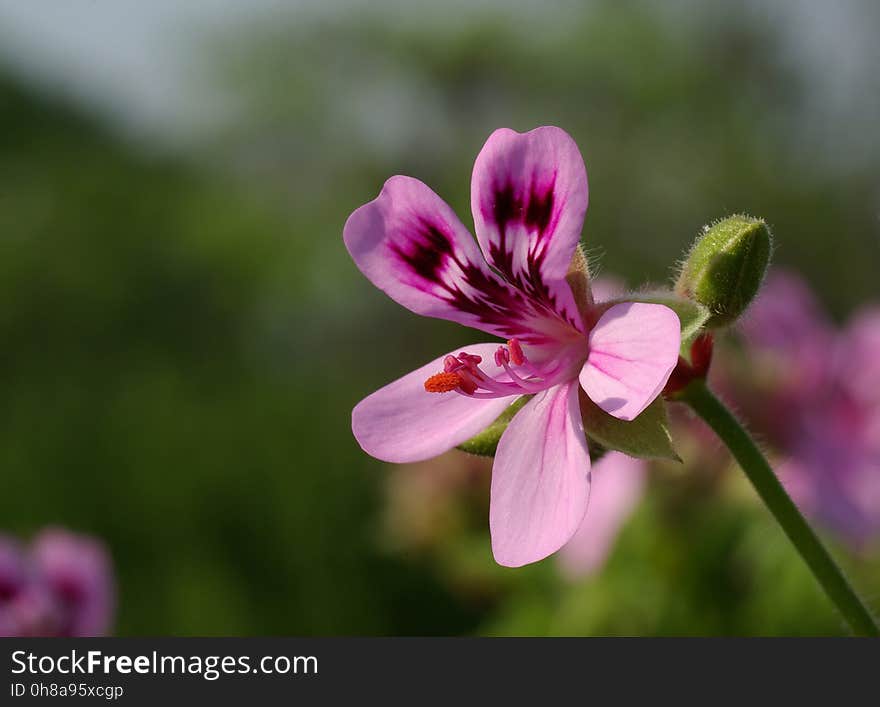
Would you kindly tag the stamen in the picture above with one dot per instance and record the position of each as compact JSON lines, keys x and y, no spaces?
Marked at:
{"x":516,"y":353}
{"x":470,"y":360}
{"x":467,"y":385}
{"x":443,"y":382}
{"x":526,"y":385}
{"x":451,"y":364}
{"x":463,"y":374}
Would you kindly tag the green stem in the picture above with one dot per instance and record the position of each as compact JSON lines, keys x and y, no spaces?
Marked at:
{"x":771,"y":491}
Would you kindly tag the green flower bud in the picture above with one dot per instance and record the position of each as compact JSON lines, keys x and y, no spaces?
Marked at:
{"x":726,"y":266}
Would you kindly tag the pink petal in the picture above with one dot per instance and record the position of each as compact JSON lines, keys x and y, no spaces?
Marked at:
{"x":617,"y":484}
{"x":411,"y":245}
{"x":857,"y":359}
{"x":403,"y":423}
{"x":529,"y":198}
{"x":633,"y":349}
{"x":787,"y":328}
{"x":540,"y":482}
{"x":77,"y":571}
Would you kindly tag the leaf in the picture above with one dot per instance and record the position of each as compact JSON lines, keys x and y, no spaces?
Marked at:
{"x":646,"y":437}
{"x":486,"y":442}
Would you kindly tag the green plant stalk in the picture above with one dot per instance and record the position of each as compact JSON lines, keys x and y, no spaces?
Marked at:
{"x":740,"y":443}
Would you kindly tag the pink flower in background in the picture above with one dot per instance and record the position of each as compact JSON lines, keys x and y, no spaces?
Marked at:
{"x":617,"y":485}
{"x":789,"y":335}
{"x":529,"y":198}
{"x":61,"y":585}
{"x":857,"y":363}
{"x":822,"y":399}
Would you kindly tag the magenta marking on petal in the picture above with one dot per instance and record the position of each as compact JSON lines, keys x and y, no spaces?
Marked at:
{"x":410,"y":244}
{"x":533,"y":213}
{"x":540,"y":209}
{"x":429,"y":254}
{"x":529,"y":196}
{"x":504,"y":208}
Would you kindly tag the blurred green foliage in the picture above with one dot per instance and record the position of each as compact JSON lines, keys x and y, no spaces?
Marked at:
{"x":184,"y":337}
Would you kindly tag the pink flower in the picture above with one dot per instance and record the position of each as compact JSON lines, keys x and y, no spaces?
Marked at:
{"x":790,"y":335}
{"x":618,"y":482}
{"x":820,"y":400}
{"x":858,"y":360}
{"x":529,"y":198}
{"x":61,"y":585}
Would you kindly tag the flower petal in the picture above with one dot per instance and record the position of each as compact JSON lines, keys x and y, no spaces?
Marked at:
{"x":529,"y":198}
{"x":633,"y":349}
{"x":540,"y":480}
{"x":403,"y":423}
{"x":77,"y":571}
{"x":617,"y":484}
{"x":411,"y":245}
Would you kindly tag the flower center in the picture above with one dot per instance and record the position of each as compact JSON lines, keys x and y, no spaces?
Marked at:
{"x":463,"y":374}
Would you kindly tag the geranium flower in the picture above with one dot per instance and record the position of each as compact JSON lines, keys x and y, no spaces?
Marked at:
{"x":821,"y":403}
{"x":61,"y":585}
{"x":529,"y":198}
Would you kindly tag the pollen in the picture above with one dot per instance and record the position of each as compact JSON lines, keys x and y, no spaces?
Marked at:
{"x":443,"y":382}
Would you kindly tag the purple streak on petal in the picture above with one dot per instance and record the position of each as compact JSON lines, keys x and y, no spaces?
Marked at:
{"x":75,"y":570}
{"x":411,"y":245}
{"x":617,"y":485}
{"x":403,"y":423}
{"x":540,"y":482}
{"x":529,"y":197}
{"x":633,"y":350}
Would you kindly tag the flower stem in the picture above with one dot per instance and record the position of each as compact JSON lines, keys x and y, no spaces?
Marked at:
{"x":752,"y":461}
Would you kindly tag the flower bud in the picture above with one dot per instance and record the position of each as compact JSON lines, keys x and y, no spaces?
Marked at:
{"x":726,"y":266}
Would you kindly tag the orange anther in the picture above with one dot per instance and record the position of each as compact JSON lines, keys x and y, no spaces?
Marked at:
{"x":443,"y":382}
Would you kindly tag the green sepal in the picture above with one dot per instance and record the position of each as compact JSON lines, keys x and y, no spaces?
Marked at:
{"x":485,"y":443}
{"x":646,"y":437}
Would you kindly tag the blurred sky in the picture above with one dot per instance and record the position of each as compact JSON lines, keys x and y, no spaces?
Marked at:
{"x":132,"y":59}
{"x":138,"y":62}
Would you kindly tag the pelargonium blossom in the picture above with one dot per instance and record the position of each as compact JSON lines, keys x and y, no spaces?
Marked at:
{"x":529,"y":199}
{"x":61,"y":585}
{"x":821,"y":404}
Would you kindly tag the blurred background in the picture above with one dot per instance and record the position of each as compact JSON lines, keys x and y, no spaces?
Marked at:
{"x":184,"y":334}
